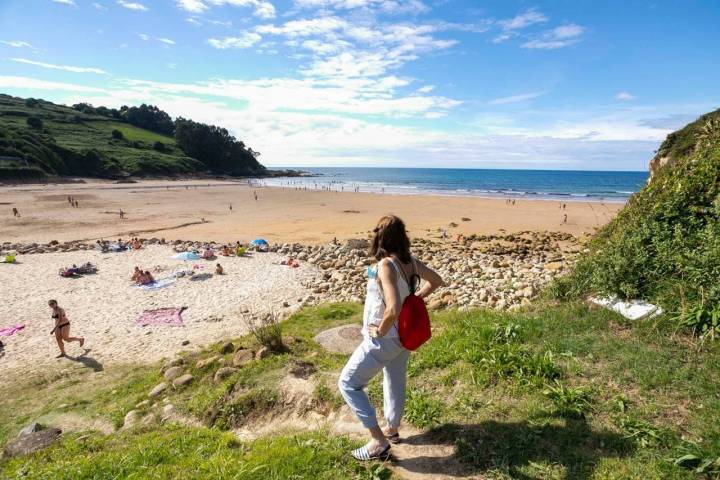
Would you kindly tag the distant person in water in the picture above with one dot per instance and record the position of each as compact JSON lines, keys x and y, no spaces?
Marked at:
{"x":16,"y":212}
{"x":62,"y":328}
{"x":390,"y":282}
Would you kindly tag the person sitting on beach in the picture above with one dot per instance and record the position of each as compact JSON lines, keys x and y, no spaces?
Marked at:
{"x":136,"y":245}
{"x":219,"y":270}
{"x":137,"y":274}
{"x":395,"y":277}
{"x":208,"y":254}
{"x":62,"y":328}
{"x":146,"y":278}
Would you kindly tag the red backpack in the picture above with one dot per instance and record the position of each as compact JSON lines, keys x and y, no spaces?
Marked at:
{"x":414,"y":320}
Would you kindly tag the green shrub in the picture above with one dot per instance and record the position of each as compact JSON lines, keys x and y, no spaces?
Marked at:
{"x":34,"y":122}
{"x":664,"y":246}
{"x":570,"y":401}
{"x":422,"y":410}
{"x":117,"y":134}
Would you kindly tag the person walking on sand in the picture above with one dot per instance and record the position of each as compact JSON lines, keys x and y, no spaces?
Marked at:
{"x":565,"y":218}
{"x":122,"y":214}
{"x":231,"y":208}
{"x":16,"y":212}
{"x":389,"y":283}
{"x":255,"y":195}
{"x":62,"y":328}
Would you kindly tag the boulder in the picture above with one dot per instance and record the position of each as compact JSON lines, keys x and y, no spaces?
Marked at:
{"x":158,"y":390}
{"x":173,"y":372}
{"x":131,"y":419}
{"x":224,"y":372}
{"x":205,"y":362}
{"x":242,"y":357}
{"x":32,"y":442}
{"x":343,"y":339}
{"x":301,"y":369}
{"x":182,"y":380}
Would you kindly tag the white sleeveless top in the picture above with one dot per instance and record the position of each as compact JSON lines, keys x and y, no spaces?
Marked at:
{"x":374,"y":302}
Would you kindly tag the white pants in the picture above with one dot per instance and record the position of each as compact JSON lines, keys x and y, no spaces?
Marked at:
{"x":366,"y":361}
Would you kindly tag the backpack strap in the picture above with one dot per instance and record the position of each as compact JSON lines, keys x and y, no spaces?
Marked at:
{"x":411,"y":283}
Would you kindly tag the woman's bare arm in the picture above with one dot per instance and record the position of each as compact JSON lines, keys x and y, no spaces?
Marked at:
{"x":433,"y":281}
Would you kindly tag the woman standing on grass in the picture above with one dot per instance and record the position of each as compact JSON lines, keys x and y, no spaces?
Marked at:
{"x":62,"y":328}
{"x":389,"y":283}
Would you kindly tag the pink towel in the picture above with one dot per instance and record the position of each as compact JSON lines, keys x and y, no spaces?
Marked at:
{"x":161,"y":316}
{"x":7,"y":331}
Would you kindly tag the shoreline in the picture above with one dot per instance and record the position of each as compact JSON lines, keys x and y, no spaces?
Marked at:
{"x":190,"y":210}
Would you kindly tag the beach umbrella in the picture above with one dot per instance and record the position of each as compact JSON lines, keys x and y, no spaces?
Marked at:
{"x":187,"y":256}
{"x":259,"y":242}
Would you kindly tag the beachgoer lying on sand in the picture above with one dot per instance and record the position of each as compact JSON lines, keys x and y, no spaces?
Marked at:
{"x":137,"y":274}
{"x":290,"y":262}
{"x":62,"y":328}
{"x":396,"y":275}
{"x":219,"y":270}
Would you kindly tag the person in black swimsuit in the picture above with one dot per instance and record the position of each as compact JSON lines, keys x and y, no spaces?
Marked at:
{"x":62,"y":328}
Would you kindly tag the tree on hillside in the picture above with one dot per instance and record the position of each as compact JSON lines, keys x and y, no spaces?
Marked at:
{"x":35,"y":122}
{"x":216,"y":148}
{"x":149,"y":117}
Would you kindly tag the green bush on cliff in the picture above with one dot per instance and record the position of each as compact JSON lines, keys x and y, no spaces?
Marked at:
{"x":664,"y":246}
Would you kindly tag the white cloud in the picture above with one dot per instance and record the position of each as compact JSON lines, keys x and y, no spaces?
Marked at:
{"x":144,"y":36}
{"x":65,"y":2}
{"x":17,"y":44}
{"x":245,"y":40}
{"x":99,"y":6}
{"x":516,"y":98}
{"x":66,"y":68}
{"x":625,"y":96}
{"x":192,"y":6}
{"x":262,"y":8}
{"x":521,"y":21}
{"x":133,"y":5}
{"x":26,"y":83}
{"x":389,"y":6}
{"x":558,"y":37}
{"x":166,"y":41}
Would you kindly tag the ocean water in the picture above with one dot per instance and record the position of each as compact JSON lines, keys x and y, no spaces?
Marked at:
{"x":557,"y":185}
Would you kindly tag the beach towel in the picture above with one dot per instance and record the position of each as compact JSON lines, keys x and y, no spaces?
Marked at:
{"x":7,"y":331}
{"x":158,"y":284}
{"x":631,"y":309}
{"x":201,"y":276}
{"x":161,"y":316}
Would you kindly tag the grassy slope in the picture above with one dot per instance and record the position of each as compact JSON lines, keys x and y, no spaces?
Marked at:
{"x":562,"y":391}
{"x":80,"y":132}
{"x":664,"y":246}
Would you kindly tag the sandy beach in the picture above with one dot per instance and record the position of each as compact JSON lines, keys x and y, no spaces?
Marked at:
{"x":175,"y":210}
{"x":104,"y":307}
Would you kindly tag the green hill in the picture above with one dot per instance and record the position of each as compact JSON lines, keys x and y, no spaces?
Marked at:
{"x":664,"y":246}
{"x":39,"y":138}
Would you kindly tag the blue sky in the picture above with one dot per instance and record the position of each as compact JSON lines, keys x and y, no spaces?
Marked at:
{"x":563,"y":84}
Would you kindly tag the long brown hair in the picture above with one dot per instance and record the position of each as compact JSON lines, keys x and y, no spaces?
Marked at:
{"x":391,"y":238}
